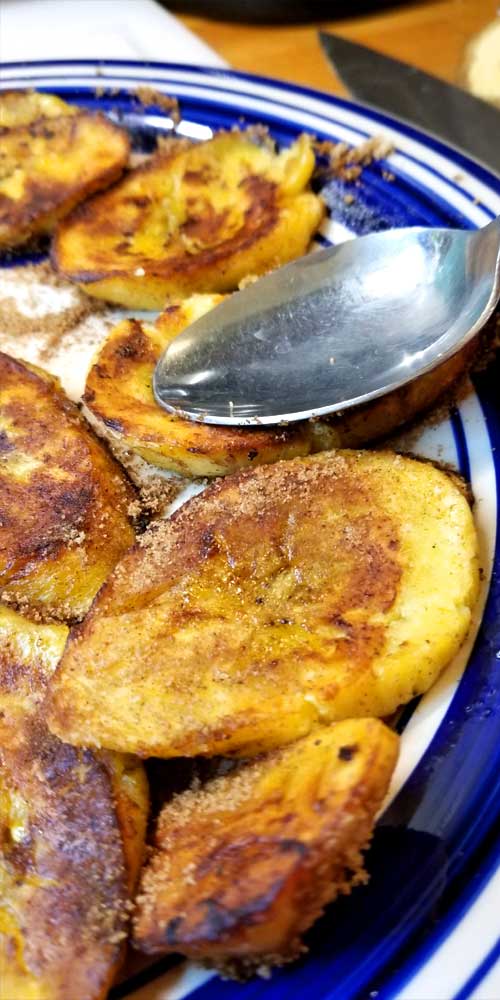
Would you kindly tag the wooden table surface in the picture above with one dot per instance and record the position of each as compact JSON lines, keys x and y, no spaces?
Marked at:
{"x":431,"y":35}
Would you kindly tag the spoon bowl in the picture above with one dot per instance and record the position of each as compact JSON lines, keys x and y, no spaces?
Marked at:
{"x":334,"y":329}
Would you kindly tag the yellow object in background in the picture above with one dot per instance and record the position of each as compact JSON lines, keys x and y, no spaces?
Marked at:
{"x":481,"y":68}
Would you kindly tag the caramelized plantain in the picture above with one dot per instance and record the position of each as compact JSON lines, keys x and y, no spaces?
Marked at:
{"x":67,"y":861}
{"x":63,"y":500}
{"x":52,"y":156}
{"x":197,"y":218}
{"x":120,"y":403}
{"x":119,"y":396}
{"x":241,"y":868}
{"x":318,"y":589}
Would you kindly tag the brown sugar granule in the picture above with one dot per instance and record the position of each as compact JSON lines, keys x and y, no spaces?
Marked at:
{"x":149,"y":96}
{"x":27,"y":287}
{"x":157,"y":495}
{"x":157,"y":489}
{"x":346,"y":162}
{"x":258,"y":134}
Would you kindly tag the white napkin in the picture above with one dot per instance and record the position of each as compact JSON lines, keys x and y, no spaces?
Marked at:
{"x":97,"y":29}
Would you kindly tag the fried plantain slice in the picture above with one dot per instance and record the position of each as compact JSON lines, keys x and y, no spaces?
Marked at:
{"x":63,"y":499}
{"x":68,"y":854}
{"x":323,"y":588}
{"x":52,"y":156}
{"x":193,"y":219}
{"x":120,"y":404}
{"x":241,"y":868}
{"x":119,"y":396}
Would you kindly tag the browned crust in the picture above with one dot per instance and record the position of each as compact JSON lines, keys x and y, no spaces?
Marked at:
{"x":120,"y":356}
{"x":119,"y":394}
{"x":265,"y":494}
{"x":275,"y":599}
{"x":65,"y":885}
{"x":73,"y":924}
{"x":27,"y":525}
{"x":197,"y":219}
{"x":238,"y":874}
{"x":260,"y":219}
{"x":75,"y":498}
{"x":71,"y":834}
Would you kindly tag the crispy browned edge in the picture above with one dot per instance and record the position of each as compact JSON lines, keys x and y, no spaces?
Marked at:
{"x":304,"y":878}
{"x":81,"y":504}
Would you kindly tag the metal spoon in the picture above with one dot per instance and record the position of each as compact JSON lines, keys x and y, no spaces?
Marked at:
{"x":335,"y":328}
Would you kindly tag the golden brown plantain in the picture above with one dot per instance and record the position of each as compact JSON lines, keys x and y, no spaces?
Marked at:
{"x":52,"y":157}
{"x":63,"y":499}
{"x":242,"y":868}
{"x":119,"y":396}
{"x":318,"y":589}
{"x":195,"y":218}
{"x":120,"y":403}
{"x":67,"y":860}
{"x":23,"y":107}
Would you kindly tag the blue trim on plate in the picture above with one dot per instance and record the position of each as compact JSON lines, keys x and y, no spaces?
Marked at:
{"x":460,"y":443}
{"x":477,"y":875}
{"x":480,"y":973}
{"x":447,"y":838}
{"x":213,"y":73}
{"x":482,"y":173}
{"x":322,"y":241}
{"x":427,"y":208}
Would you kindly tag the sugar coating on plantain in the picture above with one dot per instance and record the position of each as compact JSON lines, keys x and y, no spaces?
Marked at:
{"x":242,"y":867}
{"x":72,"y":838}
{"x":195,"y":218}
{"x":52,"y":156}
{"x":317,"y":589}
{"x":64,"y":501}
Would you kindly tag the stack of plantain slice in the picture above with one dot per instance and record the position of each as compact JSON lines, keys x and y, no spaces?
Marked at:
{"x":270,"y":618}
{"x":72,"y":822}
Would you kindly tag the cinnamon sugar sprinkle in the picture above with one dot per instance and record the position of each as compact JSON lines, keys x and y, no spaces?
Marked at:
{"x":149,"y":96}
{"x":50,"y":322}
{"x":347,"y":162}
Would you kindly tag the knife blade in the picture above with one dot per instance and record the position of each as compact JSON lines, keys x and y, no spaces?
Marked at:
{"x":450,"y":113}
